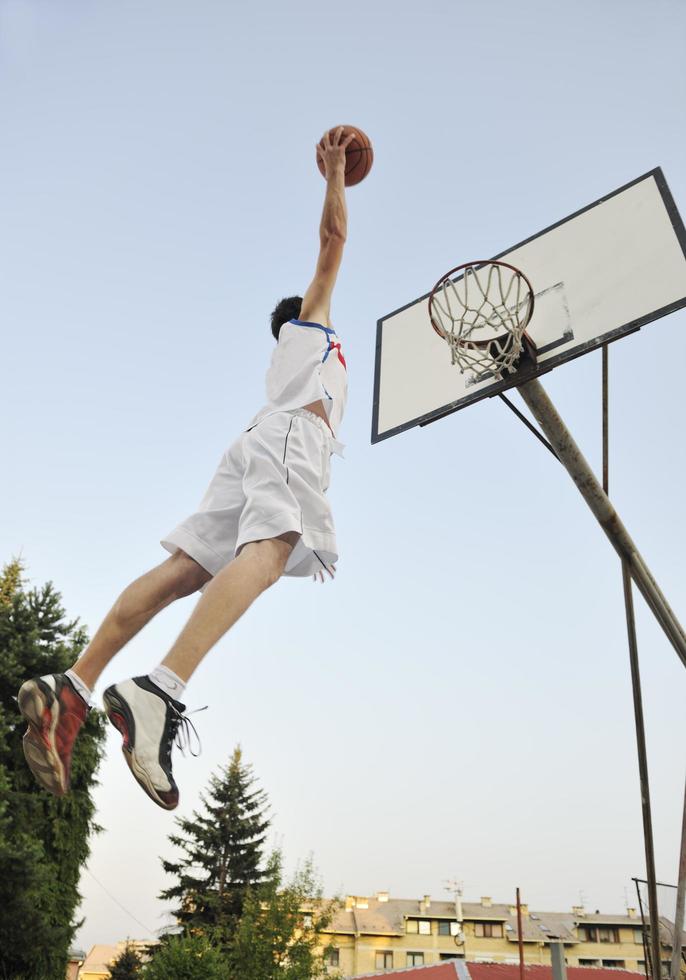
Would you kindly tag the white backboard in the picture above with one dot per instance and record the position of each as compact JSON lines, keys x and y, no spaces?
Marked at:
{"x":597,"y":275}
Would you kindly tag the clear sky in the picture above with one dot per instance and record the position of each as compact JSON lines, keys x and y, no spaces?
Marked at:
{"x":457,"y":704}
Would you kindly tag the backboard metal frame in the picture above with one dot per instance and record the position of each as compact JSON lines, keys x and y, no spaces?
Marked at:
{"x":530,"y":371}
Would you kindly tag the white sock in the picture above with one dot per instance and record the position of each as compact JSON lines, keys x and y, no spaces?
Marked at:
{"x":168,"y":681}
{"x":81,"y":688}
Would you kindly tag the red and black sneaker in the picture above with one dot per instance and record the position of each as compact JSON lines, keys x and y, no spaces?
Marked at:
{"x":55,"y":712}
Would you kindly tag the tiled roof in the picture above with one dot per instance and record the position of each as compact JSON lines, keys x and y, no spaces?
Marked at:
{"x":342,"y":922}
{"x":387,"y":918}
{"x":384,"y":918}
{"x":99,"y":959}
{"x":442,"y":971}
{"x":386,"y":921}
{"x":540,"y":926}
{"x":475,"y":910}
{"x":598,"y":919}
{"x":497,"y":971}
{"x":507,"y":971}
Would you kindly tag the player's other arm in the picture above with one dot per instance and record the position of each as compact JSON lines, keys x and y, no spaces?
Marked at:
{"x":333,"y":229}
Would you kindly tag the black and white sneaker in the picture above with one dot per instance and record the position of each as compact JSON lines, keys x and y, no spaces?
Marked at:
{"x":149,"y":721}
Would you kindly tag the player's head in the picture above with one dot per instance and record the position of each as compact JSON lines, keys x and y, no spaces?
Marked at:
{"x":287,"y":309}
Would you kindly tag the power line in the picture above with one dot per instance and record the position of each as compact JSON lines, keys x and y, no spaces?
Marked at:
{"x":117,"y":902}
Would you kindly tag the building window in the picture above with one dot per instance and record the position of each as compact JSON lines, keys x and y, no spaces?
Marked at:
{"x":638,"y":936}
{"x":422,"y":926}
{"x":488,"y":930}
{"x":383,"y":960}
{"x":333,"y":957}
{"x":589,"y":962}
{"x":614,"y":964}
{"x":606,"y":934}
{"x":446,"y":928}
{"x":449,"y":956}
{"x":415,"y":959}
{"x":307,"y":921}
{"x":588,"y":934}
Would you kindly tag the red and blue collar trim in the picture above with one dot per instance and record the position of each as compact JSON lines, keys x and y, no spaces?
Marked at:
{"x":333,"y":346}
{"x":306,"y":323}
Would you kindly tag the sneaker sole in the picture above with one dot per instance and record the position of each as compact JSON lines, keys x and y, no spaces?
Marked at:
{"x":40,"y":709}
{"x":117,"y":712}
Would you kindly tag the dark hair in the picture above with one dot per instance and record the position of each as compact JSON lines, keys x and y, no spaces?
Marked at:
{"x":285,"y":310}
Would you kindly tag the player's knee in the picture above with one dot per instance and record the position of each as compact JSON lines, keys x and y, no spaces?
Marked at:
{"x":272,"y":574}
{"x":271,"y":568}
{"x":188,"y":575}
{"x":269,"y":559}
{"x":281,"y":549}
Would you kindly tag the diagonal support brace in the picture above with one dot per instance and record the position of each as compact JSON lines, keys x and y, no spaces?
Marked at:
{"x":578,"y":468}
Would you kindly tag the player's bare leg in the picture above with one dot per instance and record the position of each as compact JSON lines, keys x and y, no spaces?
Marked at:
{"x":176,"y":577}
{"x":56,"y":705}
{"x":146,"y":710}
{"x":259,"y":565}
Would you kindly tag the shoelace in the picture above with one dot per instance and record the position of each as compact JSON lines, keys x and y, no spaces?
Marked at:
{"x":180,"y":730}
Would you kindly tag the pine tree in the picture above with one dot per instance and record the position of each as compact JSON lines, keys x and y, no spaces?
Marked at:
{"x":127,"y":966}
{"x":222,"y":853}
{"x":44,"y":840}
{"x":281,"y":934}
{"x":186,"y":958}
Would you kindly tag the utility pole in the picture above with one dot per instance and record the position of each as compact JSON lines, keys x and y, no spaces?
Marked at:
{"x":455,"y":888}
{"x":520,"y":939}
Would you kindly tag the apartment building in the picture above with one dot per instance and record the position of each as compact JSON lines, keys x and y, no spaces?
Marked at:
{"x":95,"y":965}
{"x":380,"y":933}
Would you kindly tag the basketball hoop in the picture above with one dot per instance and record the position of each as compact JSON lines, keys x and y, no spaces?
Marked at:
{"x":482,"y":309}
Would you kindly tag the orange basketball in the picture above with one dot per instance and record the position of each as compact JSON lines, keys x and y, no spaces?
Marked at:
{"x":359,"y":156}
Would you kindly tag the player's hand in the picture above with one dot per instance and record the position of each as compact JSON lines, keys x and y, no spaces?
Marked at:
{"x":320,"y":576}
{"x":331,"y":150}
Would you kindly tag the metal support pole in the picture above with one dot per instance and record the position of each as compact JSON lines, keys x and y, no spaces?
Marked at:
{"x":576,"y":465}
{"x":680,"y":896}
{"x":520,"y":940}
{"x":606,"y":428}
{"x":644,"y":931}
{"x":557,"y":957}
{"x":656,"y":967}
{"x":644,"y":782}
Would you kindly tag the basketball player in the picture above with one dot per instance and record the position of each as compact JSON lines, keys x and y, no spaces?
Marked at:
{"x":264,"y":515}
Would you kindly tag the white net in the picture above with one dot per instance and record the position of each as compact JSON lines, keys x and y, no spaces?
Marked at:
{"x":482,"y":315}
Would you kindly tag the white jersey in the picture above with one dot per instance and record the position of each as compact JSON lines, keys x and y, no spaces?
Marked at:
{"x":307,"y":366}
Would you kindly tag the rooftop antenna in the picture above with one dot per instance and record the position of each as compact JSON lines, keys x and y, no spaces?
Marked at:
{"x":455,"y":888}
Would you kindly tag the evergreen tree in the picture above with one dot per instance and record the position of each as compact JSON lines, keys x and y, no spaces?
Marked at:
{"x":222,"y":853}
{"x":186,"y":958}
{"x":44,"y":840}
{"x":281,"y":934}
{"x":127,"y":966}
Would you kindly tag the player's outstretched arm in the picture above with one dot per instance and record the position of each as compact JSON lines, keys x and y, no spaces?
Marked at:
{"x":332,"y":230}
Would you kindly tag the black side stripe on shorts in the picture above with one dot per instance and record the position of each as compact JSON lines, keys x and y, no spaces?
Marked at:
{"x":285,"y":447}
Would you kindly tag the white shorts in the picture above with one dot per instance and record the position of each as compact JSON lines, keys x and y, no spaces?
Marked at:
{"x":272,"y":480}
